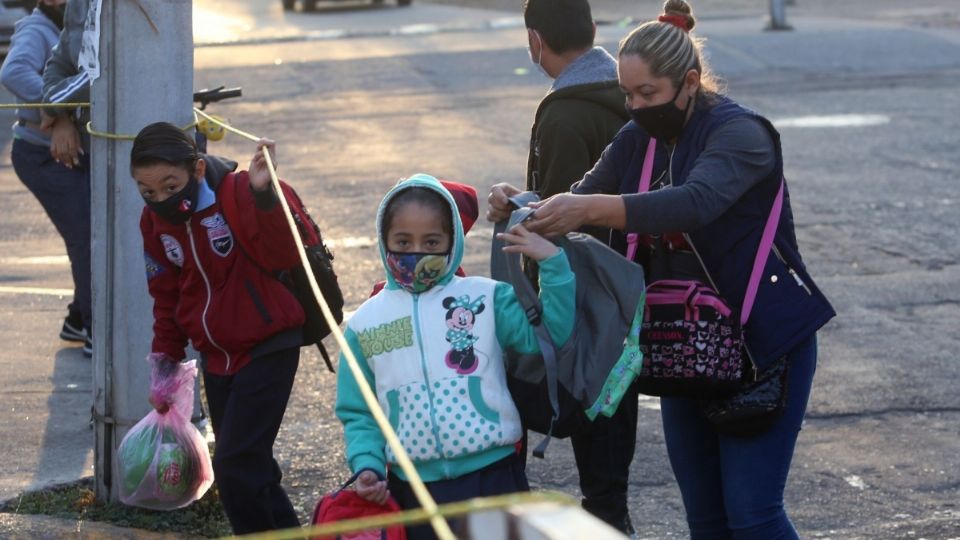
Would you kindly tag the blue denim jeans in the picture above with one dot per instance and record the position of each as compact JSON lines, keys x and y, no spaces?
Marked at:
{"x":732,"y":487}
{"x":64,"y":195}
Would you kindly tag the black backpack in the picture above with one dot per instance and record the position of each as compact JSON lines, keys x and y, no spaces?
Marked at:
{"x":315,"y":327}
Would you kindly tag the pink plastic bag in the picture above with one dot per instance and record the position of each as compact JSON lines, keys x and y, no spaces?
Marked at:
{"x":163,"y":462}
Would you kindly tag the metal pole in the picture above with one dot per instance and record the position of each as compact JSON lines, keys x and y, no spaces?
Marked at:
{"x":146,"y":75}
{"x":778,"y":16}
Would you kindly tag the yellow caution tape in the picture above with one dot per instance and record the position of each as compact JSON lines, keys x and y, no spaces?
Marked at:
{"x":412,"y":517}
{"x":119,"y":137}
{"x":43,"y":105}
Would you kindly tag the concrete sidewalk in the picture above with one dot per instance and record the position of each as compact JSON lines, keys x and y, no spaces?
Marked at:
{"x":47,"y":385}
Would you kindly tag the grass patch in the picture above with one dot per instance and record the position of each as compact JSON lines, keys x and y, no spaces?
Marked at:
{"x":76,"y":501}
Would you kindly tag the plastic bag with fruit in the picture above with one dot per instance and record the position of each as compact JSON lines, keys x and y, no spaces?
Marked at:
{"x":163,"y":461}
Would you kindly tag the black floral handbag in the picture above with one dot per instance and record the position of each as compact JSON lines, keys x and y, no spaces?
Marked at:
{"x":755,"y":407}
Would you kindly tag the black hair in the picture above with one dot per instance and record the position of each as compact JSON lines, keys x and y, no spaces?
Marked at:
{"x":163,"y":142}
{"x":565,"y":25}
{"x":421,"y":195}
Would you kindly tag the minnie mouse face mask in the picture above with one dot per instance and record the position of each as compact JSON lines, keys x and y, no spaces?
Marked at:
{"x":417,"y":272}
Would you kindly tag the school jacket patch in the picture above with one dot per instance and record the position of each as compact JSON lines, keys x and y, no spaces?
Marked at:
{"x":173,"y":249}
{"x":219,"y":234}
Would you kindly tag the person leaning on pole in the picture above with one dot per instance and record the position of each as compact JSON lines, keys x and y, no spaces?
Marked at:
{"x":61,"y":186}
{"x":65,"y":82}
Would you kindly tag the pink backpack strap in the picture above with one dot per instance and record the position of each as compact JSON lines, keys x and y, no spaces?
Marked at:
{"x":763,"y":252}
{"x":646,"y":174}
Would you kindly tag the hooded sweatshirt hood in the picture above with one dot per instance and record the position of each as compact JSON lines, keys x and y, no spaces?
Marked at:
{"x":217,"y":168}
{"x":456,"y":240}
{"x":591,"y":79}
{"x":34,"y":37}
{"x":592,"y":66}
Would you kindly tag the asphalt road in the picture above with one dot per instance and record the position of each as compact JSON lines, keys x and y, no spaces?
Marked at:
{"x":868,"y":111}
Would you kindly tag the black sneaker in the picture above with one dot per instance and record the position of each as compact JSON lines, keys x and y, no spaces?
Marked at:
{"x":87,"y":348}
{"x":72,"y":329}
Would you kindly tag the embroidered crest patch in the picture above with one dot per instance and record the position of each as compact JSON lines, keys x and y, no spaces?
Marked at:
{"x":153,"y":267}
{"x":173,"y":249}
{"x":219,"y":234}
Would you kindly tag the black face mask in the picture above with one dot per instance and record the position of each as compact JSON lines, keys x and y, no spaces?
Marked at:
{"x":178,"y":208}
{"x":663,"y":122}
{"x":54,"y":13}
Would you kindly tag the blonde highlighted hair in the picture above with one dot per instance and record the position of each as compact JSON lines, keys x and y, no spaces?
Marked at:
{"x":668,"y":49}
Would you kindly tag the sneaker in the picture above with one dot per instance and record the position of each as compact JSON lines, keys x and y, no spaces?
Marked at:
{"x":72,"y":329}
{"x":87,"y":348}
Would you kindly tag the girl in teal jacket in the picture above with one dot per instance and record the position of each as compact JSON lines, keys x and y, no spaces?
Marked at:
{"x":431,"y":345}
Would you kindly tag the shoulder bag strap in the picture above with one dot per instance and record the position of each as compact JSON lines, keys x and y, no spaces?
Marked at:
{"x":763,"y":252}
{"x":646,"y":173}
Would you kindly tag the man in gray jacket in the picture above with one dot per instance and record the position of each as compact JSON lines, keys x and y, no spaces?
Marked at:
{"x":62,"y":188}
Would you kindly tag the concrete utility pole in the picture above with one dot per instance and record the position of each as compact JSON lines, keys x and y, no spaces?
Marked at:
{"x":146,"y":75}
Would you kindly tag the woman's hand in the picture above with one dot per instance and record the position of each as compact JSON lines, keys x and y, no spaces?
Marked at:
{"x":558,"y":215}
{"x":65,"y":144}
{"x":499,"y":202}
{"x":258,"y":171}
{"x":566,"y":212}
{"x":370,"y":487}
{"x":520,"y":240}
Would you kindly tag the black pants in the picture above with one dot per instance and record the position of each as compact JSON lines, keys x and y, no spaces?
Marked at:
{"x":246,"y":410}
{"x":498,"y":478}
{"x":603,"y":459}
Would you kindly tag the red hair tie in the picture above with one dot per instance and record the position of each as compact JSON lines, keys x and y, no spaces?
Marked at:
{"x":677,"y":20}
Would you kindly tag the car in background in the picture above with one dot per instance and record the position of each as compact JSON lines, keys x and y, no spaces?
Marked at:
{"x":311,"y":5}
{"x":11,"y":11}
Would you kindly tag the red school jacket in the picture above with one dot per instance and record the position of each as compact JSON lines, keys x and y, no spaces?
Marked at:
{"x":208,"y":289}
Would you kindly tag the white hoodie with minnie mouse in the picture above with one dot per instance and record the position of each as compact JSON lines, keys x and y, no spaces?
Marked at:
{"x":435,"y":361}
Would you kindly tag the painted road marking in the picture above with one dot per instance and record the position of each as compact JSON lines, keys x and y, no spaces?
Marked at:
{"x":352,"y":242}
{"x":44,"y":291}
{"x":648,"y":402}
{"x":833,"y":121}
{"x":39,"y":260}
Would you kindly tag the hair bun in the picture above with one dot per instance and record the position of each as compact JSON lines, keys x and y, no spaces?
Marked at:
{"x":678,"y":13}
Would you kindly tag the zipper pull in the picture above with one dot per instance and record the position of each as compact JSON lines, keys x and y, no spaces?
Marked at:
{"x":799,"y":281}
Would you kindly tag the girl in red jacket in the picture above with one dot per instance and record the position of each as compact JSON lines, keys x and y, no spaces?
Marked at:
{"x":212,"y":284}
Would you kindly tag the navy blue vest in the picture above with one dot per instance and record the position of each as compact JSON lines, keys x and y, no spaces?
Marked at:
{"x":789,"y":307}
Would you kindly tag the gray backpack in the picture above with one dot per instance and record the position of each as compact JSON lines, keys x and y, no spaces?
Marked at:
{"x":560,"y":391}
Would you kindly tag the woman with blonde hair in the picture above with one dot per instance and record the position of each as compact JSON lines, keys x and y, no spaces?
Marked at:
{"x":717,"y":170}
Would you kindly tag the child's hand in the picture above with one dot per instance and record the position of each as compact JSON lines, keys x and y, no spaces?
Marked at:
{"x":259,"y":173}
{"x":371,"y":487}
{"x":162,"y":368}
{"x":531,"y":244}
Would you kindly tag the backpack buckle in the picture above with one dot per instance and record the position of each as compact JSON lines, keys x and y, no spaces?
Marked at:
{"x":533,"y":315}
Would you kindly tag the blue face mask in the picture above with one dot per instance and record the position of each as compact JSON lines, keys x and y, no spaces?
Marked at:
{"x":539,"y":61}
{"x":417,"y":272}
